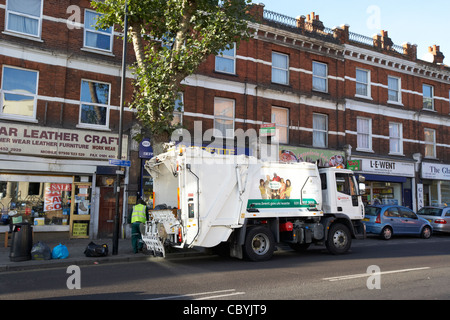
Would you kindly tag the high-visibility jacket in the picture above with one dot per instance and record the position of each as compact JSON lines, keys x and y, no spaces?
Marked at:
{"x":139,"y":214}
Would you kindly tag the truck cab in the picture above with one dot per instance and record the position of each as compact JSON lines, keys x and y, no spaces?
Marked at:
{"x":341,"y":193}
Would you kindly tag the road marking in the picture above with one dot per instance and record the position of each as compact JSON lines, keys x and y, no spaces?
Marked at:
{"x":231,"y":292}
{"x":363,"y":275}
{"x":221,"y":296}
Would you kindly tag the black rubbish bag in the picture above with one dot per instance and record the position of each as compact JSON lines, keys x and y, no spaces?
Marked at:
{"x":41,"y":251}
{"x":96,"y":250}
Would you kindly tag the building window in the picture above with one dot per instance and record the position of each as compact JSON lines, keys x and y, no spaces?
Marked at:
{"x":320,"y":130}
{"x":226,"y":60}
{"x":364,"y":133}
{"x":394,"y":87}
{"x":24,"y":17}
{"x":18,"y":94}
{"x":280,"y":68}
{"x":363,"y":83}
{"x":178,"y":110}
{"x":94,"y":110}
{"x":224,"y":117}
{"x":428,"y":100}
{"x":395,"y":138}
{"x":430,"y":143}
{"x":320,"y":76}
{"x":99,"y":39}
{"x":280,"y":116}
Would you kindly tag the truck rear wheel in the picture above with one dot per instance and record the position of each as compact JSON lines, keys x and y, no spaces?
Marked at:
{"x":259,"y":244}
{"x":339,"y":239}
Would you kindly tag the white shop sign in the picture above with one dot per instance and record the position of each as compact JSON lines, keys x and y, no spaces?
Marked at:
{"x":44,"y":141}
{"x":390,"y":168}
{"x":435,"y":171}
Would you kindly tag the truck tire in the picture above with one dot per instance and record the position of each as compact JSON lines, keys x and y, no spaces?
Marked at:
{"x":259,"y":244}
{"x":339,"y":239}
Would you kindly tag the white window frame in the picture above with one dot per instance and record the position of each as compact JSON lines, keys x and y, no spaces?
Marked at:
{"x":368,"y":84}
{"x":399,"y":91}
{"x":320,"y":131}
{"x":399,"y":139}
{"x":368,"y":134}
{"x":282,"y":69}
{"x":22,"y":34}
{"x":431,"y":98}
{"x":229,"y":132}
{"x":285,"y":140}
{"x":320,"y":77}
{"x":432,"y":143}
{"x":179,"y":112}
{"x":86,"y":30}
{"x":108,"y":108}
{"x":227,"y":57}
{"x":35,"y":97}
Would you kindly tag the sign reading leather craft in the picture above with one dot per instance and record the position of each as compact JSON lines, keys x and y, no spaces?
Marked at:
{"x":45,"y":141}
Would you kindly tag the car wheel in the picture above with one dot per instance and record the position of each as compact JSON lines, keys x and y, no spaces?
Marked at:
{"x":386,"y":233}
{"x":426,"y":232}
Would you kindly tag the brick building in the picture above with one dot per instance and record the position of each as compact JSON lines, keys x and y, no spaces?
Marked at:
{"x":334,"y":96}
{"x":60,"y":97}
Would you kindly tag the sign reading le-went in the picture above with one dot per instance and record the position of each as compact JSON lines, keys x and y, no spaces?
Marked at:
{"x":18,"y":139}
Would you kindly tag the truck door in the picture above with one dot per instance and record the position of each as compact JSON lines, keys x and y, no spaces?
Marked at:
{"x":347,"y":194}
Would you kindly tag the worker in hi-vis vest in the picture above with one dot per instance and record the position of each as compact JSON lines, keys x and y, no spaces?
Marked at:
{"x":139,"y":216}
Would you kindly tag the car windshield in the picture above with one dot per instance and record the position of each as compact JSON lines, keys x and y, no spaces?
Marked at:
{"x":430,"y":212}
{"x":372,"y":211}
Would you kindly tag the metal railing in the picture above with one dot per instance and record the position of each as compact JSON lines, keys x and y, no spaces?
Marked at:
{"x":319,"y":31}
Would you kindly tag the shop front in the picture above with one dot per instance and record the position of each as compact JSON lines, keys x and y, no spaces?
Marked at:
{"x":435,"y":187}
{"x":387,"y":182}
{"x":48,"y":178}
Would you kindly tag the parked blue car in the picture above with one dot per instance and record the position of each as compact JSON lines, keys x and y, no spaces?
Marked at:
{"x":389,"y":220}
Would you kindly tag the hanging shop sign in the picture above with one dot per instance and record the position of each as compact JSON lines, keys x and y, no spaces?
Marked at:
{"x":44,"y":141}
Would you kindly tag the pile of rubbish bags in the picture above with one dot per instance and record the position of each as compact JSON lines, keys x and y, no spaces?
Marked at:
{"x":41,"y":251}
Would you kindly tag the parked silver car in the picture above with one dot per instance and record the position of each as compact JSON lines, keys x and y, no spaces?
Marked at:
{"x":439,"y":217}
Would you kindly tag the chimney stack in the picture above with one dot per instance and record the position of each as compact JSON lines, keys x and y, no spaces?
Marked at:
{"x":438,"y":56}
{"x":313,"y":22}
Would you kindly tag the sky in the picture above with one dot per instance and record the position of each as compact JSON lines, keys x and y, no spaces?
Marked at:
{"x":420,"y":22}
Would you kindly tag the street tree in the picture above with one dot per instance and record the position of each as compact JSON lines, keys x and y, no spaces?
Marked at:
{"x":171,"y":38}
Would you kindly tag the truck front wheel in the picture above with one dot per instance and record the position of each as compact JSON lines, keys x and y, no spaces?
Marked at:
{"x":339,"y":239}
{"x":259,"y":244}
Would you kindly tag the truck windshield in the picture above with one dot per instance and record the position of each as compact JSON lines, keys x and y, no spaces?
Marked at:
{"x":372,"y":211}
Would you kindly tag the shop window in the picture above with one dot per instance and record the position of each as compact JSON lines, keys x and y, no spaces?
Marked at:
{"x":19,"y":94}
{"x":24,"y":17}
{"x":98,"y":39}
{"x":94,"y":109}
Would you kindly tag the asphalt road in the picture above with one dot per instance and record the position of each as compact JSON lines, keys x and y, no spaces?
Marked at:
{"x":404,"y":268}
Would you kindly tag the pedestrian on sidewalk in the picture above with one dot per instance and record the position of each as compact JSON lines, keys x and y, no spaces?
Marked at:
{"x":139,"y":217}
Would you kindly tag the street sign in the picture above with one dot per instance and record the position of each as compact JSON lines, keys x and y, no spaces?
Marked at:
{"x":121,"y":163}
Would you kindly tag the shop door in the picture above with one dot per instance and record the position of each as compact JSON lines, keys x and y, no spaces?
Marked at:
{"x":107,"y":211}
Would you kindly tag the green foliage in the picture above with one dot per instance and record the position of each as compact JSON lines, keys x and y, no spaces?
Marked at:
{"x":171,"y":38}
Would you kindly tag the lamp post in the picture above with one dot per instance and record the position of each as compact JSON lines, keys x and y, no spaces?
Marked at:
{"x":119,"y":149}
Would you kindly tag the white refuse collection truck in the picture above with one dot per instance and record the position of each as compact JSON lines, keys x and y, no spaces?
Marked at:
{"x":249,"y":206}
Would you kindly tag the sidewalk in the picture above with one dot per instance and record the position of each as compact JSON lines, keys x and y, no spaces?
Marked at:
{"x":76,"y":249}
